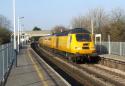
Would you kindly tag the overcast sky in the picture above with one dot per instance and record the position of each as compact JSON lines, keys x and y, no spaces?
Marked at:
{"x":48,"y":13}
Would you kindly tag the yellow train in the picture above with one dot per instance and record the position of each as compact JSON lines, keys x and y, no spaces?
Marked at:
{"x":76,"y":43}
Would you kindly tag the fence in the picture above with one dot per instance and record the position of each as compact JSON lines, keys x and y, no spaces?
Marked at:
{"x":117,"y":48}
{"x":7,"y":55}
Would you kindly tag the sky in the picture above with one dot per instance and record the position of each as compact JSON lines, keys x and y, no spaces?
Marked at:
{"x":48,"y":13}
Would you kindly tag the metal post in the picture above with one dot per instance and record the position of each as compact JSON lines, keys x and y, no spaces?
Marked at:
{"x":100,"y":43}
{"x":14,"y":25}
{"x":12,"y":51}
{"x":109,"y":41}
{"x":3,"y":60}
{"x":11,"y":54}
{"x":95,"y":39}
{"x":18,"y":33}
{"x":92,"y":27}
{"x":21,"y":31}
{"x":120,"y":48}
{"x":7,"y":55}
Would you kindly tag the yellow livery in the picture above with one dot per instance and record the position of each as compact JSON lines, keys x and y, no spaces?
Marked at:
{"x":77,"y":41}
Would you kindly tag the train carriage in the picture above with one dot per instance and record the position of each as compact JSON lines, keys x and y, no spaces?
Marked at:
{"x":77,"y":43}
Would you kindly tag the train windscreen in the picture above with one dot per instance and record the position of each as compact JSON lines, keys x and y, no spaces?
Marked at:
{"x":83,"y":37}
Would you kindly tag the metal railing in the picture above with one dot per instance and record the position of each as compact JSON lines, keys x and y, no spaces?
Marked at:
{"x":7,"y":57}
{"x":117,"y":48}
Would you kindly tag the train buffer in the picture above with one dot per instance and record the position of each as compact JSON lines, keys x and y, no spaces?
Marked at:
{"x":29,"y":72}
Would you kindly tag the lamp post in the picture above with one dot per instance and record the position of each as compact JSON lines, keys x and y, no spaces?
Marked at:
{"x":92,"y":27}
{"x":14,"y":30}
{"x":14,"y":24}
{"x":19,"y":31}
{"x":22,"y":35}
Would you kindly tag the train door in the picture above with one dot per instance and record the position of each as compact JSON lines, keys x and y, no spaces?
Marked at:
{"x":69,"y":42}
{"x":57,"y":42}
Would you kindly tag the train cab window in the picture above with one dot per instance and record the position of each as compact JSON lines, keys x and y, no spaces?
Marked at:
{"x":83,"y":37}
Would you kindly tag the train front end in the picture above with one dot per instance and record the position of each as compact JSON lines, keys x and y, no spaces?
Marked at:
{"x":83,"y":44}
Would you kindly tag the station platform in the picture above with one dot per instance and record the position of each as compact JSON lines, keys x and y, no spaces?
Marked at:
{"x":114,"y":57}
{"x":30,"y":73}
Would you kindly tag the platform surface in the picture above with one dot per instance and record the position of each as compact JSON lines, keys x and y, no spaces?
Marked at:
{"x":114,"y":57}
{"x":29,"y":72}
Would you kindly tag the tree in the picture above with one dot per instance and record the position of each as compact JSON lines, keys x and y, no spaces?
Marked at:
{"x":4,"y":35}
{"x":4,"y":22}
{"x":99,"y":17}
{"x":36,"y":38}
{"x":58,"y":28}
{"x":4,"y":30}
{"x":117,"y":14}
{"x":36,"y":29}
{"x":117,"y":25}
{"x":78,"y":22}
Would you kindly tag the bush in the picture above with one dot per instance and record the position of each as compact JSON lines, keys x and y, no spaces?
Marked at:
{"x":4,"y":35}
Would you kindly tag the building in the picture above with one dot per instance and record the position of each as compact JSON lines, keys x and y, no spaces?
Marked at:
{"x":26,"y":35}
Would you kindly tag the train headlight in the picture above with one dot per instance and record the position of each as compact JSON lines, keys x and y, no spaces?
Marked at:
{"x":78,"y":48}
{"x":92,"y":48}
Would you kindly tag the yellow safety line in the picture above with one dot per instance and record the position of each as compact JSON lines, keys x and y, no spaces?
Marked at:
{"x":37,"y":70}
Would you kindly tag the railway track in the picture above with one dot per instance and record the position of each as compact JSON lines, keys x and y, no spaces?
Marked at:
{"x":105,"y":75}
{"x":54,"y":65}
{"x":86,"y":74}
{"x":112,"y":63}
